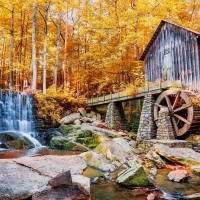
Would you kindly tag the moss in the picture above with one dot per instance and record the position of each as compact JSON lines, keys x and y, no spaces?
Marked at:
{"x":84,"y":134}
{"x":66,"y":129}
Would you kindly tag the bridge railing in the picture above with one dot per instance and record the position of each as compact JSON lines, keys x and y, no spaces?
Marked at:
{"x":127,"y":94}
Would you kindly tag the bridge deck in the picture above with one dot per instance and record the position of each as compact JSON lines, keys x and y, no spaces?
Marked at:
{"x":140,"y":92}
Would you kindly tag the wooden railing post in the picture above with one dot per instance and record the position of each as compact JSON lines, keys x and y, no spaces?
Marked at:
{"x":110,"y":95}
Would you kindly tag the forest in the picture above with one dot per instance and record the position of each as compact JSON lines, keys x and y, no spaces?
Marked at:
{"x":90,"y":46}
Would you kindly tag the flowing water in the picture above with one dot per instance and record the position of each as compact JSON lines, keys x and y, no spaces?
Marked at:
{"x":16,"y":114}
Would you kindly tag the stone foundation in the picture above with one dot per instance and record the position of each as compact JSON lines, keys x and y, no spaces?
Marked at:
{"x":147,"y":127}
{"x":148,"y":144}
{"x":165,"y":130}
{"x":115,"y":117}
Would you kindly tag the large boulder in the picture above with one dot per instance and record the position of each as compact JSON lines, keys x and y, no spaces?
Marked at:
{"x":66,"y":129}
{"x":184,"y":156}
{"x":82,"y":182}
{"x":98,"y":161}
{"x":18,"y":140}
{"x":63,"y":143}
{"x":69,"y":119}
{"x":119,"y":150}
{"x":27,"y":177}
{"x":134,"y":176}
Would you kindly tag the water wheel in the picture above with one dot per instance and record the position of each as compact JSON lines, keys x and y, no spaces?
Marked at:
{"x":184,"y":114}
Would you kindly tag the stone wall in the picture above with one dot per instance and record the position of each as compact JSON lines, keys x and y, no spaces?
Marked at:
{"x":165,"y":130}
{"x":147,"y":127}
{"x":115,"y":117}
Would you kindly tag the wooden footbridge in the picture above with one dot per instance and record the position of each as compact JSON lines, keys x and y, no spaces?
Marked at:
{"x":136,"y":93}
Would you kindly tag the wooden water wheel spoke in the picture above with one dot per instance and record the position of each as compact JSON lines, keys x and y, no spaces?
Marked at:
{"x":183,"y":107}
{"x":182,"y":119}
{"x":167,"y":100}
{"x":176,"y":100}
{"x":180,"y":110}
{"x":175,"y":125}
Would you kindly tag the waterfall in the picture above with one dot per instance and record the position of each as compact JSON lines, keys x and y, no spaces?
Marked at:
{"x":16,"y":114}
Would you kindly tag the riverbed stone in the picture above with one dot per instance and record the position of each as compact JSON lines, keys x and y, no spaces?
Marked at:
{"x":51,"y":166}
{"x":184,"y":156}
{"x":16,"y":140}
{"x":64,"y":193}
{"x":177,"y":175}
{"x":82,"y":182}
{"x":19,"y":182}
{"x":98,"y":161}
{"x":134,"y":176}
{"x":155,"y":159}
{"x":196,"y":169}
{"x":62,"y":179}
{"x":69,"y":119}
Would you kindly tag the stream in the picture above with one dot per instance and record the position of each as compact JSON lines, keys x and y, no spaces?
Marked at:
{"x":110,"y":190}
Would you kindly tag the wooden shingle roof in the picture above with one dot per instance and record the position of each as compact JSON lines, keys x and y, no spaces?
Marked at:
{"x":142,"y":57}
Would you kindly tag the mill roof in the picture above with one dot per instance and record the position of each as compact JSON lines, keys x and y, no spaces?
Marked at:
{"x":142,"y":57}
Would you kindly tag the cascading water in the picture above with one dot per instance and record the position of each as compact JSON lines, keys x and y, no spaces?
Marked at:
{"x":16,"y":114}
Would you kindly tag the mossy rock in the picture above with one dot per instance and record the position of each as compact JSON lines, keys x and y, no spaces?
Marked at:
{"x":66,"y":129}
{"x":60,"y":142}
{"x":84,"y":134}
{"x":134,"y":176}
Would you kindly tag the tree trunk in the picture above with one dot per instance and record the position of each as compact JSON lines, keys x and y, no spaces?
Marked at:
{"x":57,"y":52}
{"x":12,"y":50}
{"x":45,"y":48}
{"x":34,"y":62}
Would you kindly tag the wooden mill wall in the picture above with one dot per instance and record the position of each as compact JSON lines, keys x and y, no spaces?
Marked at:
{"x":174,"y":55}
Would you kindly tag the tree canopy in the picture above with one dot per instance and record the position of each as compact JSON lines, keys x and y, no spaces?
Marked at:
{"x":90,"y":45}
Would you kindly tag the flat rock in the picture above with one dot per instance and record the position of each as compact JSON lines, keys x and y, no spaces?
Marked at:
{"x":155,"y":158}
{"x":51,"y":165}
{"x":64,"y":193}
{"x":19,"y":182}
{"x":177,"y":175}
{"x":184,"y":156}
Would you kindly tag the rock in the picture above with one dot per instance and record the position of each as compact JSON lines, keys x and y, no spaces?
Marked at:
{"x":64,"y":193}
{"x":82,"y":111}
{"x":63,"y":179}
{"x":192,"y":196}
{"x":98,"y":117}
{"x":77,"y":122}
{"x":151,"y":196}
{"x":66,"y":129}
{"x":106,"y":176}
{"x":92,"y":114}
{"x":82,"y":182}
{"x":134,"y":176}
{"x":124,"y":144}
{"x":63,"y":143}
{"x":196,"y":169}
{"x":98,"y":161}
{"x":184,"y":156}
{"x":113,"y":151}
{"x":70,"y":118}
{"x":155,"y":158}
{"x":87,"y":120}
{"x":177,"y":175}
{"x":133,"y":143}
{"x":18,"y":181}
{"x":16,"y":140}
{"x":153,"y":171}
{"x":51,"y":166}
{"x":94,"y":180}
{"x":84,"y":134}
{"x":98,"y":124}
